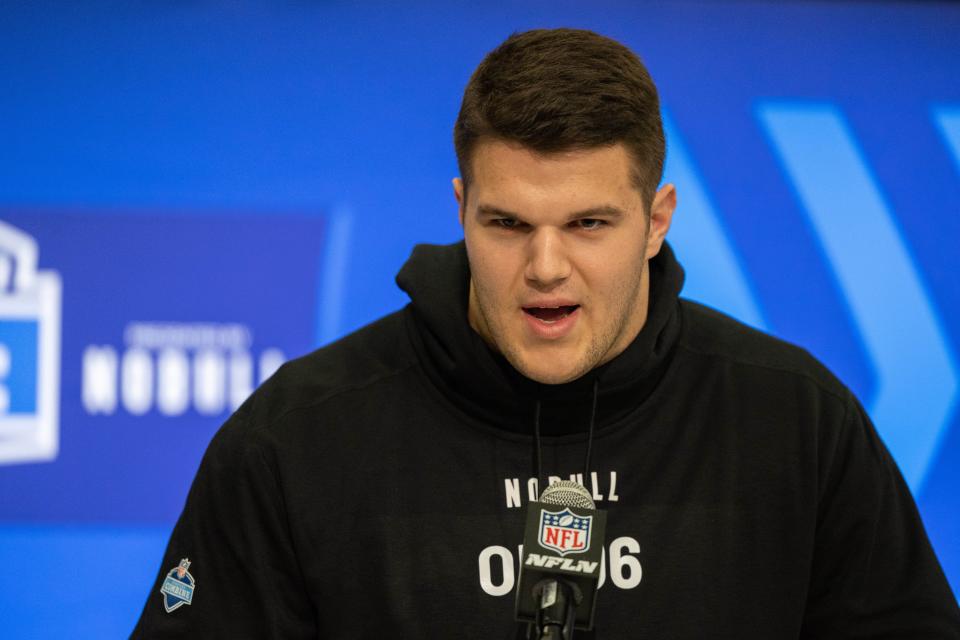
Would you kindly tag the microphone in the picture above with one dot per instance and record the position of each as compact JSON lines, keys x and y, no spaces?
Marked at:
{"x":560,"y":569}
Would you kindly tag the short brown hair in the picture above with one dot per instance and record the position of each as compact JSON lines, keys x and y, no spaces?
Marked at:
{"x":563,"y":89}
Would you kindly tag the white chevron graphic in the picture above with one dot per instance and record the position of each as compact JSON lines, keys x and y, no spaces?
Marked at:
{"x":915,"y":369}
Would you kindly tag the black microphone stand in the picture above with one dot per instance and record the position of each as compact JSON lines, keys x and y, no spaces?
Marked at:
{"x":558,"y":600}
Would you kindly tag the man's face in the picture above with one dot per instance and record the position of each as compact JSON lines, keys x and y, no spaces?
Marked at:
{"x":558,"y":247}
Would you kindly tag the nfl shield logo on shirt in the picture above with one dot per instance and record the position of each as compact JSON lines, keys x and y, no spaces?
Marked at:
{"x":564,"y":531}
{"x":178,"y":587}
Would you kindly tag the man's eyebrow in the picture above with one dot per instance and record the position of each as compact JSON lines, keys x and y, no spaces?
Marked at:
{"x":489,"y":210}
{"x":605,"y":211}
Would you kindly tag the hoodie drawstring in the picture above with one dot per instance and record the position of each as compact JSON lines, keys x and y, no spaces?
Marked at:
{"x":536,"y":437}
{"x":593,"y":419}
{"x":539,"y":446}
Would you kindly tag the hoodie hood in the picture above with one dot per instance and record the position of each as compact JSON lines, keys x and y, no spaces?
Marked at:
{"x":483,"y":384}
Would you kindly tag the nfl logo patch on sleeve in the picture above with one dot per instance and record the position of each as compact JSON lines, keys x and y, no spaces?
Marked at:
{"x":178,"y":587}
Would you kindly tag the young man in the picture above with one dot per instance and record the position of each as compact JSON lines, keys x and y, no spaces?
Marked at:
{"x":378,"y":486}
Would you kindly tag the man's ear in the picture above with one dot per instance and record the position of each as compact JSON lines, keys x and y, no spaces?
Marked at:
{"x":458,"y":194}
{"x":661,"y":215}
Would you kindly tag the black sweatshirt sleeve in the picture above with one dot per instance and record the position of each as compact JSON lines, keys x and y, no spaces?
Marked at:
{"x":875,"y":574}
{"x":234,"y":532}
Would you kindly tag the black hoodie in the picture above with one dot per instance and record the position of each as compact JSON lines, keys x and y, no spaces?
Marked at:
{"x":377,"y":488}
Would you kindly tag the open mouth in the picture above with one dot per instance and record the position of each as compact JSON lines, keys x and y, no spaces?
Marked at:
{"x":549,"y":315}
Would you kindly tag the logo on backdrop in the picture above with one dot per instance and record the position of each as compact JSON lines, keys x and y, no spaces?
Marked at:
{"x":29,"y":351}
{"x":178,"y":587}
{"x":167,"y":327}
{"x":564,"y":531}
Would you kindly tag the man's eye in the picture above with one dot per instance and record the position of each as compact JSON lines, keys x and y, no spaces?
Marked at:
{"x":590,"y":223}
{"x":507,"y":223}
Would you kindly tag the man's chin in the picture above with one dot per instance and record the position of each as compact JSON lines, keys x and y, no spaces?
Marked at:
{"x":548,"y":372}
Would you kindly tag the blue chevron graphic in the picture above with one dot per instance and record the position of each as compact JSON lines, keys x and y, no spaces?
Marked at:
{"x":916,"y":373}
{"x":714,"y":272}
{"x":949,"y":120}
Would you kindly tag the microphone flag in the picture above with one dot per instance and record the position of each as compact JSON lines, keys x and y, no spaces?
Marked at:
{"x":561,"y":542}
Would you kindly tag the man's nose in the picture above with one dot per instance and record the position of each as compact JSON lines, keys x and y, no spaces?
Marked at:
{"x":547,"y":260}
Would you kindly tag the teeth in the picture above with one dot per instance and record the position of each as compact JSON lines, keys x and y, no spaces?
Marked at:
{"x":553,"y":321}
{"x":551,"y":315}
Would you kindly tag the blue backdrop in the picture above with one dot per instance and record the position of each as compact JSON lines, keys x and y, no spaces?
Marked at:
{"x":192,"y":192}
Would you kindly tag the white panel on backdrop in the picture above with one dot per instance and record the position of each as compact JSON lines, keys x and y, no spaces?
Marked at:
{"x":29,"y":351}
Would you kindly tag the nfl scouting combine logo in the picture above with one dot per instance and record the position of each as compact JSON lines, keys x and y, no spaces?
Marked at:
{"x":564,"y":531}
{"x":178,"y":587}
